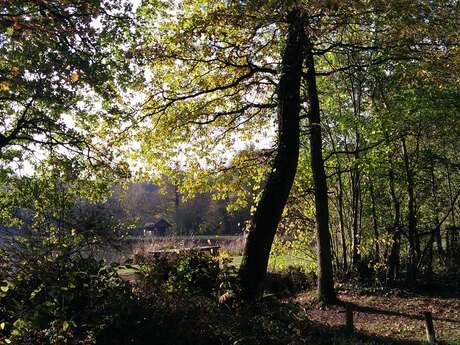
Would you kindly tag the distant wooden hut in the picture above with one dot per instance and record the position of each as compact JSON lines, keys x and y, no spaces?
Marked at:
{"x":158,"y":228}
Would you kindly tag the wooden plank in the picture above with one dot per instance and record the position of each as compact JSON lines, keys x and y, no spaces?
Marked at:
{"x":211,"y":249}
{"x":349,"y":326}
{"x":429,"y":328}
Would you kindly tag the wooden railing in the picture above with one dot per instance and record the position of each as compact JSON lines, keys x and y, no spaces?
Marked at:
{"x":213,"y":250}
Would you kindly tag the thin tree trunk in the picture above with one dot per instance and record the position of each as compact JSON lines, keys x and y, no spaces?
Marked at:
{"x":343,"y":239}
{"x":412,"y":221}
{"x":326,"y":293}
{"x":253,"y":268}
{"x":451,"y":238}
{"x":335,"y":249}
{"x":176,"y":208}
{"x":439,"y":246}
{"x":375,"y":225}
{"x":426,"y":258}
{"x":342,"y":224}
{"x":451,"y":196}
{"x":355,"y":192}
{"x":393,"y":259}
{"x":355,"y":174}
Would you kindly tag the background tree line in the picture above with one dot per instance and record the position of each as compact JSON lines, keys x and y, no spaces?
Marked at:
{"x":124,"y":210}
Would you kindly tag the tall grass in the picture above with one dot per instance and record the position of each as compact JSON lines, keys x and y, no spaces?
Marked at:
{"x":231,"y":245}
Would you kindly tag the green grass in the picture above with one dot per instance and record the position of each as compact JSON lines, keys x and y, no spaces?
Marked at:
{"x":125,"y":271}
{"x":275,"y":263}
{"x":280,"y":262}
{"x":236,"y":260}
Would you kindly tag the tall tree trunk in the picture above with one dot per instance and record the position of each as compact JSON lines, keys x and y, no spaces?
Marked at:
{"x":451,"y":237}
{"x":375,"y":224}
{"x":412,"y":221}
{"x":326,"y":293}
{"x":437,"y":234}
{"x":335,"y":249}
{"x":342,"y":224}
{"x":355,"y":173}
{"x":355,"y":196}
{"x":393,"y":259}
{"x":177,"y":208}
{"x":343,"y":240}
{"x":253,"y":268}
{"x":429,"y":262}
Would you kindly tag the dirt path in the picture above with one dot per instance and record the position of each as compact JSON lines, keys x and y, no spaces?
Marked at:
{"x":395,"y":316}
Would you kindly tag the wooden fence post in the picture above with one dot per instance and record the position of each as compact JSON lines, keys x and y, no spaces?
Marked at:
{"x":349,"y":327}
{"x":429,"y":328}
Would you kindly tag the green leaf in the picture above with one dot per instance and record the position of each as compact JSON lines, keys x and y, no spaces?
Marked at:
{"x":65,"y":325}
{"x":36,"y":291}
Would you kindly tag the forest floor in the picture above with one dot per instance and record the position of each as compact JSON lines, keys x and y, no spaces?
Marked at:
{"x":397,"y":316}
{"x":394,"y":317}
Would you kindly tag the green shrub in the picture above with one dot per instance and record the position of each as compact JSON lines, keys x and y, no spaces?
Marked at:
{"x":64,"y":299}
{"x":289,"y":281}
{"x":58,"y":299}
{"x":191,"y":272}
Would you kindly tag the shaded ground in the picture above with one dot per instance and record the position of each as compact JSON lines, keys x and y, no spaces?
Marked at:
{"x":380,"y":317}
{"x":395,"y":316}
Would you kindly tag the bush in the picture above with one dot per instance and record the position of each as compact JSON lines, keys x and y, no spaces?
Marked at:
{"x":289,"y":281}
{"x":191,"y":273}
{"x":177,"y":319}
{"x":64,"y":300}
{"x":58,"y":299}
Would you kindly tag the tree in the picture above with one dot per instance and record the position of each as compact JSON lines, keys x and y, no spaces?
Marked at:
{"x":326,"y":292}
{"x":276,"y":192}
{"x":54,"y":66}
{"x":223,"y":97}
{"x":279,"y":181}
{"x":233,"y":59}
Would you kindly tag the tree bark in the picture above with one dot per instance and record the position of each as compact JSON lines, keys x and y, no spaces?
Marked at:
{"x":355,"y":183}
{"x":326,"y":293}
{"x":393,"y":259}
{"x":375,"y":224}
{"x":340,"y":204}
{"x":434,"y":192}
{"x":412,"y":221}
{"x":265,"y":221}
{"x":355,"y":192}
{"x":342,"y":224}
{"x":335,"y":249}
{"x":177,"y":208}
{"x":451,"y":236}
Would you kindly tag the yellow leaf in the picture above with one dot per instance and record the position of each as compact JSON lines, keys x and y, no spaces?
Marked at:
{"x":14,"y":71}
{"x":74,"y":76}
{"x":4,"y":86}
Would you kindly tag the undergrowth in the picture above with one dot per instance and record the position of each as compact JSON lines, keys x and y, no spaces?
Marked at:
{"x":179,"y":299}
